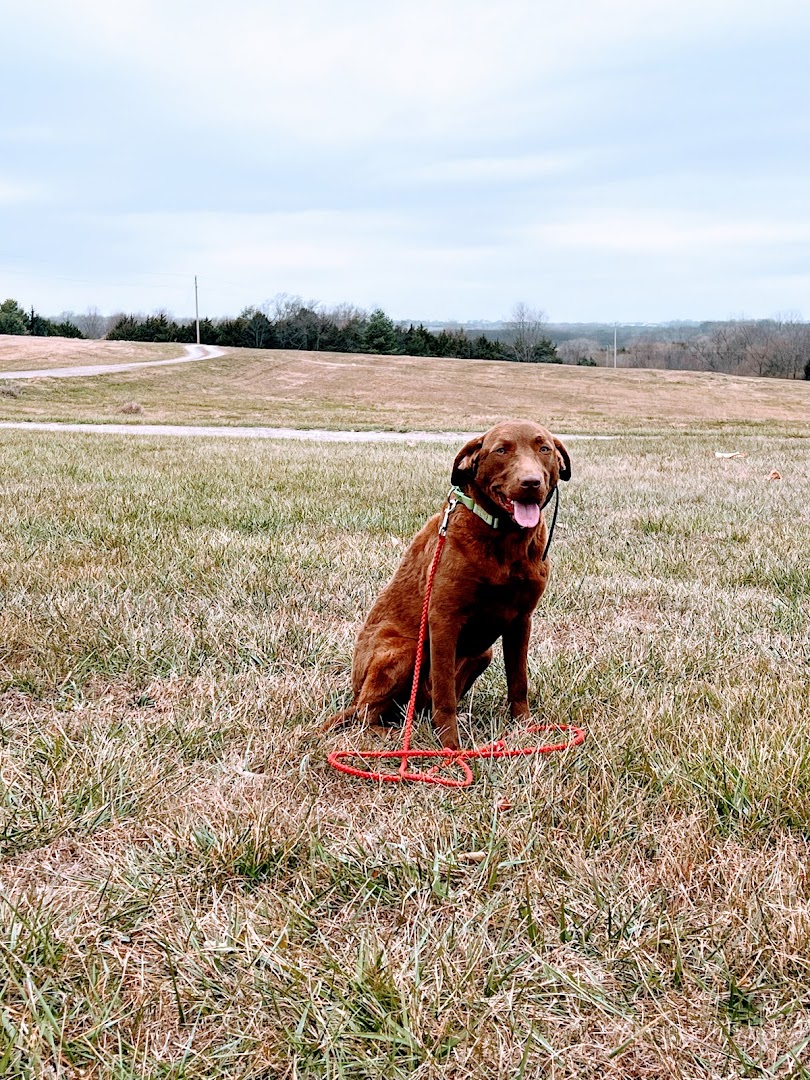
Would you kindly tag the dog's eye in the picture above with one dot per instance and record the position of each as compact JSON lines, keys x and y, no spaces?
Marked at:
{"x":545,"y":449}
{"x":500,"y":449}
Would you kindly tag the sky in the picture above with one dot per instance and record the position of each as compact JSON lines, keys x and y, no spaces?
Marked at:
{"x":602,"y":160}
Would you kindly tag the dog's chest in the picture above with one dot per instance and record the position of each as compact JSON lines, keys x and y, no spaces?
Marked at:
{"x":510,"y":588}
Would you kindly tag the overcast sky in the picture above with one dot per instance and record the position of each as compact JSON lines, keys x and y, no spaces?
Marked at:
{"x":629,"y":160}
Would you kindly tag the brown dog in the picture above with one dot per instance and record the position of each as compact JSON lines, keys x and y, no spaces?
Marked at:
{"x":490,"y":577}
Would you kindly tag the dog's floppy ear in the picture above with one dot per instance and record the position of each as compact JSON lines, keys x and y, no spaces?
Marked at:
{"x":466,"y":463}
{"x":563,"y":459}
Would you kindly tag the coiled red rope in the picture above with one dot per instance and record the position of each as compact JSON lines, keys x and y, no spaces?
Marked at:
{"x":444,"y":759}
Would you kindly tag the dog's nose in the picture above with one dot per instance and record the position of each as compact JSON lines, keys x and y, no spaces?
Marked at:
{"x":531,"y":483}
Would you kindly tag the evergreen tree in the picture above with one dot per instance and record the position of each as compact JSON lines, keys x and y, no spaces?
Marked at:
{"x":301,"y":329}
{"x":126,"y":329}
{"x":420,"y":341}
{"x":13,"y":319}
{"x":38,"y":325}
{"x":442,"y":344}
{"x":486,"y":349}
{"x":186,"y":333}
{"x":158,"y":328}
{"x":231,"y":332}
{"x":208,"y":332}
{"x":65,"y":329}
{"x":461,"y":345}
{"x":380,"y":335}
{"x":257,"y":330}
{"x":545,"y":352}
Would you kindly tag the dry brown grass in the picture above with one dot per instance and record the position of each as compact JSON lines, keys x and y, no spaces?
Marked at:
{"x":19,"y":353}
{"x":406,"y":393}
{"x":189,"y":891}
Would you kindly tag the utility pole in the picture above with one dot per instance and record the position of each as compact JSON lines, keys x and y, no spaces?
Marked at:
{"x":614,"y":345}
{"x":197,"y":309}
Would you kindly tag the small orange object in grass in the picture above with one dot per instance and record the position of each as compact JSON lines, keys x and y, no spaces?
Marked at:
{"x":438,"y":766}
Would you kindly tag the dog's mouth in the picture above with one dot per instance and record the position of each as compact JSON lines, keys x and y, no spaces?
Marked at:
{"x":524,"y":514}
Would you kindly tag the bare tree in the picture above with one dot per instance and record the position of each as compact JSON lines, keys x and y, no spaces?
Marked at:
{"x":526,"y":331}
{"x":343,"y":315}
{"x":791,"y":346}
{"x":755,"y":341}
{"x":285,"y":306}
{"x":578,"y":350}
{"x":644,"y":352}
{"x":92,"y":324}
{"x":719,"y":349}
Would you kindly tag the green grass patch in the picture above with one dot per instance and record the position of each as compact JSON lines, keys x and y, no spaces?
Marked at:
{"x":187,"y":889}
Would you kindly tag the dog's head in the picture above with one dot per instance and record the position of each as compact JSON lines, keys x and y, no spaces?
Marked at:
{"x":514,"y":467}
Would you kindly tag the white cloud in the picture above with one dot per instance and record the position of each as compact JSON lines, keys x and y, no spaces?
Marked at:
{"x":13,"y":192}
{"x":658,"y":233}
{"x":448,"y":155}
{"x":477,"y":170}
{"x":362,"y":257}
{"x":329,"y":73}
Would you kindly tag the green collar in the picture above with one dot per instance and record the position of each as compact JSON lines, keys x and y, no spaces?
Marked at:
{"x":465,"y":500}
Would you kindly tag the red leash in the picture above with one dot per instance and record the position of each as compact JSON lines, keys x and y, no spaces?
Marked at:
{"x":340,"y":759}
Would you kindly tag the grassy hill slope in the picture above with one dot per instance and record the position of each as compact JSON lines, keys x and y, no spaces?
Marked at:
{"x":33,"y":353}
{"x":307,"y":389}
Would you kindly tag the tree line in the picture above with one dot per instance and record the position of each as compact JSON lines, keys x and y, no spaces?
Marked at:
{"x":290,"y":323}
{"x":295,"y":325}
{"x":777,"y":347}
{"x":16,"y":320}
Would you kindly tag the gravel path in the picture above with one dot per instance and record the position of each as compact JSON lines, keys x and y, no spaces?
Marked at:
{"x":193,"y":352}
{"x":304,"y":434}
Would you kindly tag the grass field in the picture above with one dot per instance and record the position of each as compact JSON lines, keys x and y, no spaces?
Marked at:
{"x":188,"y":890}
{"x":38,"y":353}
{"x":332,"y":390}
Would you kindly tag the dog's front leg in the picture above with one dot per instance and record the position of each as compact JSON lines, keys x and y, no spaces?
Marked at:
{"x":443,"y":643}
{"x":515,"y":660}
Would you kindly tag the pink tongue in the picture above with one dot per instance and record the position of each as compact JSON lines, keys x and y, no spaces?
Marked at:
{"x":526,"y":515}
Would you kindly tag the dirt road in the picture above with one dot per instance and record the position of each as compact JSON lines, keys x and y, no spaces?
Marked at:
{"x":309,"y":434}
{"x":193,"y":352}
{"x":226,"y":432}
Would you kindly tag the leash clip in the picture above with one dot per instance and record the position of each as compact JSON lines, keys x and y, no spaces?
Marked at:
{"x":451,"y":505}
